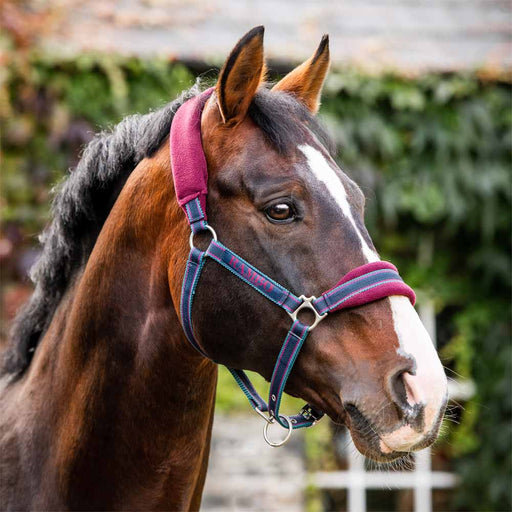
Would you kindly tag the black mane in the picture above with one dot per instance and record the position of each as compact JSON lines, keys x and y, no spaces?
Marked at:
{"x":84,"y":200}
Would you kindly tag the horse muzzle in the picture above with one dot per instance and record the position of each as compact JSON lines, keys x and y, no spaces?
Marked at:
{"x":394,"y":430}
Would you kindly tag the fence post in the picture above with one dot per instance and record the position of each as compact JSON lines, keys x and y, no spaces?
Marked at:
{"x":423,"y":459}
{"x":356,"y":485}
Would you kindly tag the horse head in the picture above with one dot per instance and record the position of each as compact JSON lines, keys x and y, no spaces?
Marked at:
{"x":277,"y":197}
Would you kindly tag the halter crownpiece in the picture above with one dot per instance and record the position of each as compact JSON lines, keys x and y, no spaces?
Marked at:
{"x":361,"y":285}
{"x":188,"y":162}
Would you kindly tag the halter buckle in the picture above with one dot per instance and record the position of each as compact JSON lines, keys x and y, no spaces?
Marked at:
{"x":308,"y":413}
{"x":307,"y":302}
{"x":268,"y":419}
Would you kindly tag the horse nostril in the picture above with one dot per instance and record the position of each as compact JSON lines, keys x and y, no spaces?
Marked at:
{"x":404,"y":390}
{"x":413,"y":391}
{"x":396,"y":388}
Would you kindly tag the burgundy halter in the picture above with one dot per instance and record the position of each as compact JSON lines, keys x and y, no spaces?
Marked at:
{"x":361,"y":285}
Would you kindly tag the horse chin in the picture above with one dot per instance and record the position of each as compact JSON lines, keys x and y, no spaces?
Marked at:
{"x":373,"y":448}
{"x":370,"y":444}
{"x":365,"y":439}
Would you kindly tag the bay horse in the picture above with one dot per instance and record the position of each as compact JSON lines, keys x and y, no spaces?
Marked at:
{"x":105,"y":405}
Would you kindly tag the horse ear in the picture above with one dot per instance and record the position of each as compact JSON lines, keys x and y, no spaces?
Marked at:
{"x":306,"y":81}
{"x":240,"y":77}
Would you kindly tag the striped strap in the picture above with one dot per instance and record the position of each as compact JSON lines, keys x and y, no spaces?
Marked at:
{"x":253,"y":277}
{"x":195,"y":215}
{"x":285,"y":361}
{"x":274,"y":292}
{"x":363,"y":285}
{"x":195,"y":264}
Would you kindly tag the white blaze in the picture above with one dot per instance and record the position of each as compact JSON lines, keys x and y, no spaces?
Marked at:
{"x":326,"y":175}
{"x":428,"y":385}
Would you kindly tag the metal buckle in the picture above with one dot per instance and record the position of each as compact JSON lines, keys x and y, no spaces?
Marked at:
{"x":308,"y":413}
{"x":208,"y":228}
{"x":268,"y":419}
{"x":276,"y":444}
{"x":307,"y":302}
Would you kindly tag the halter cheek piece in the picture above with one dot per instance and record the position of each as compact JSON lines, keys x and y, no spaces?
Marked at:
{"x":362,"y":285}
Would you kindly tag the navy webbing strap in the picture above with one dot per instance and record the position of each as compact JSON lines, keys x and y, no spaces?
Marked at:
{"x":285,"y":361}
{"x":364,"y":284}
{"x":364,"y":288}
{"x":272,"y":291}
{"x":253,"y":277}
{"x":195,"y":216}
{"x":249,"y":390}
{"x":195,"y":263}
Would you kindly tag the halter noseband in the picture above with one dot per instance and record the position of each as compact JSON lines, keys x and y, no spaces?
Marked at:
{"x":362,"y":285}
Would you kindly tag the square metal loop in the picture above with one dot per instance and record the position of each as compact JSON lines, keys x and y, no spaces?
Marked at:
{"x":307,"y":303}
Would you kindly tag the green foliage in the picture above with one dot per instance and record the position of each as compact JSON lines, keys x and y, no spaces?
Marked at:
{"x":103,"y":89}
{"x":55,"y":107}
{"x":319,"y":447}
{"x":319,"y":453}
{"x":484,"y":437}
{"x":432,"y":155}
{"x":230,"y":398}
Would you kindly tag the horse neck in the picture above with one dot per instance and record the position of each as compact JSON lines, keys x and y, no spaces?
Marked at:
{"x":133,"y":401}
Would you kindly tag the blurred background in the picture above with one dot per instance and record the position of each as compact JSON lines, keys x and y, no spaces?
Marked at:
{"x":419,"y":100}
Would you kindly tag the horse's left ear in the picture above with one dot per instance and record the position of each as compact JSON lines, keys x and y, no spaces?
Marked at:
{"x":306,"y":81}
{"x":240,"y":77}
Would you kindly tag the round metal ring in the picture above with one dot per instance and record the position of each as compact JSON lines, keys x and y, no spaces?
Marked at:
{"x":288,"y":434}
{"x":208,"y":228}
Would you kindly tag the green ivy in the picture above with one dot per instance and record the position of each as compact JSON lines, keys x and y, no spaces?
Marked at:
{"x":434,"y":155}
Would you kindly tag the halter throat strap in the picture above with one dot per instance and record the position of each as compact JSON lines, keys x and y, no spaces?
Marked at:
{"x":362,"y":285}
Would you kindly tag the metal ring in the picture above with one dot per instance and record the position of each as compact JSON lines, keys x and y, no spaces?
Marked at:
{"x":288,"y":434}
{"x":307,"y":302}
{"x":207,"y":228}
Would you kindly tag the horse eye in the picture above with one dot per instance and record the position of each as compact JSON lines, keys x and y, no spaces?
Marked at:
{"x":280,"y":212}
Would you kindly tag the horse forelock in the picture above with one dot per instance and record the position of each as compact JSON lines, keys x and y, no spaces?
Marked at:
{"x":283,"y":120}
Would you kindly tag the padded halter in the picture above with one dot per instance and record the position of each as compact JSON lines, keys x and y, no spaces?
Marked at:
{"x":361,"y":285}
